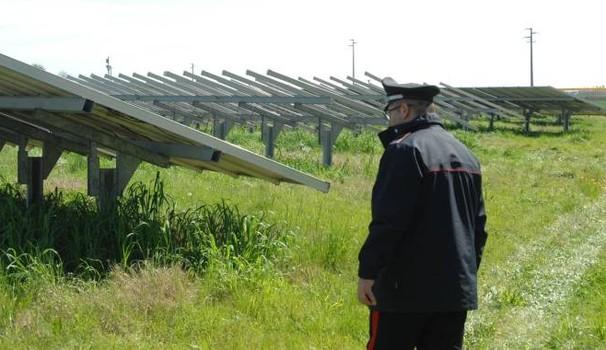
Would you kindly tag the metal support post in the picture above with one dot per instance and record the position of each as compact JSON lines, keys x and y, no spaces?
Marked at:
{"x":2,"y":143}
{"x":527,"y":115}
{"x":221,"y":128}
{"x":320,"y":129}
{"x":93,"y":171}
{"x":491,"y":122}
{"x":270,"y":134}
{"x":327,"y":140}
{"x":458,"y":116}
{"x":566,"y":116}
{"x":263,"y":126}
{"x":34,"y":181}
{"x":326,"y":147}
{"x":112,"y":182}
{"x":22,"y":161}
{"x":107,"y":189}
{"x":218,"y":129}
{"x":269,"y":141}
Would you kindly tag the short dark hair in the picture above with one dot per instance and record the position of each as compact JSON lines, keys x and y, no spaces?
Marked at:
{"x":418,"y":107}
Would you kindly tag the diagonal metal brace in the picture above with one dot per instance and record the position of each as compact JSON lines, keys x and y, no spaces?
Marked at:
{"x":125,"y":167}
{"x":54,"y":104}
{"x":176,"y":150}
{"x":50,"y":155}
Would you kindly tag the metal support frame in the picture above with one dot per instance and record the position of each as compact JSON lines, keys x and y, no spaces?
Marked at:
{"x":290,"y":101}
{"x":195,"y":152}
{"x":221,"y":128}
{"x":126,"y":166}
{"x":215,"y":112}
{"x":50,"y":155}
{"x":328,"y":137}
{"x":35,"y":181}
{"x":113,"y":181}
{"x":269,"y":134}
{"x":22,"y":160}
{"x":190,"y":112}
{"x":222,"y":110}
{"x":17,"y":126}
{"x":566,"y":116}
{"x":107,"y":195}
{"x":93,"y":173}
{"x":63,"y":125}
{"x":527,"y":116}
{"x":357,"y":105}
{"x":491,"y":121}
{"x":476,"y":100}
{"x":55,"y":104}
{"x":229,"y":99}
{"x":189,"y":116}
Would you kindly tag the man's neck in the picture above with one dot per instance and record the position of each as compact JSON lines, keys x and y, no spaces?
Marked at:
{"x":397,"y":123}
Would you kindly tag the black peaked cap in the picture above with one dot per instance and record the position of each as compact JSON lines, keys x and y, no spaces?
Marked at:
{"x":395,"y":91}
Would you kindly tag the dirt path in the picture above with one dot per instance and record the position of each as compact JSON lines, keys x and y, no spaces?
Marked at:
{"x":537,"y":281}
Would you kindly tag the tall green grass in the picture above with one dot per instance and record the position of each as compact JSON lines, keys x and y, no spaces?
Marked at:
{"x":70,"y":234}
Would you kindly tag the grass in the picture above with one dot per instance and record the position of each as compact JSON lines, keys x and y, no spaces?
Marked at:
{"x":542,"y":274}
{"x":584,"y":325}
{"x":144,"y":225}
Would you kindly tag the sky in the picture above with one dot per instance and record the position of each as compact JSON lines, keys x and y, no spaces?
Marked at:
{"x":458,"y":42}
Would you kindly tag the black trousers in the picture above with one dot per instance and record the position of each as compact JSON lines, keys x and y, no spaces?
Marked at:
{"x":425,"y":331}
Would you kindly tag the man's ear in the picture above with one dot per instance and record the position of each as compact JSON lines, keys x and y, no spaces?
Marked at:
{"x":404,"y":109}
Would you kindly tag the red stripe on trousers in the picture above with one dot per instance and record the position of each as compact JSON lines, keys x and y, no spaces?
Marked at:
{"x":374,"y":327}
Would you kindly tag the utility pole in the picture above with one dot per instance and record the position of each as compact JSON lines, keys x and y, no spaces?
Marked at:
{"x":108,"y":66}
{"x":353,"y":58}
{"x":192,"y":71}
{"x":531,"y":41}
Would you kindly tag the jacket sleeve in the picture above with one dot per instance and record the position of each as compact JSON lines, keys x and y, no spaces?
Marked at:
{"x":480,"y":230}
{"x":394,"y":197}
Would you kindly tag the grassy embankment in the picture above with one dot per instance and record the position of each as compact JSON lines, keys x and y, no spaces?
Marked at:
{"x":542,"y":278}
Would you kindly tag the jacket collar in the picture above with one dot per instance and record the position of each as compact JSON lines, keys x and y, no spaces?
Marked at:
{"x":395,"y":132}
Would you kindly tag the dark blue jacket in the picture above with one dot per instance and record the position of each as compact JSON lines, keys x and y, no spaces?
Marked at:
{"x":427,"y":231}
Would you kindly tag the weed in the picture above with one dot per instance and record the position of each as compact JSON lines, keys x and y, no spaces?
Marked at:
{"x":73,"y":236}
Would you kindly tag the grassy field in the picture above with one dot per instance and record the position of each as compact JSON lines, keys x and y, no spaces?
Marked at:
{"x":286,"y":278}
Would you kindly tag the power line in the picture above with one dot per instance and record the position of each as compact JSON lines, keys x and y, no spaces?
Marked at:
{"x":531,"y":41}
{"x":353,"y":58}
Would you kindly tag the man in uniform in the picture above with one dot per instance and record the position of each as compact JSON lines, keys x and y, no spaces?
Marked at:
{"x":418,"y":267}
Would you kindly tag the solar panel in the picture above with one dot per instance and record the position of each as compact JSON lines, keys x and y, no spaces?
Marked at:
{"x":38,"y":105}
{"x":543,"y":99}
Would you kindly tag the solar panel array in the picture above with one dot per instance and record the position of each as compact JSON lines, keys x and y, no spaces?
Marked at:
{"x":595,"y":95}
{"x":140,"y":117}
{"x":40,"y":108}
{"x":326,"y":106}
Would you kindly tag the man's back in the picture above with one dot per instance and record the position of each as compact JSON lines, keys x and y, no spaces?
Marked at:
{"x":428,"y":197}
